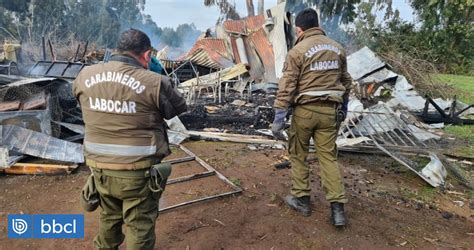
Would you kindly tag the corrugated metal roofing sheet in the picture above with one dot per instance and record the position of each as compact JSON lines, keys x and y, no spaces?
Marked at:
{"x":256,"y":67}
{"x":235,"y":51}
{"x":209,"y":59}
{"x":254,"y":22}
{"x":217,"y":45}
{"x":363,"y":62}
{"x":210,"y":52}
{"x":235,"y":26}
{"x":265,"y":52}
{"x":246,"y":26}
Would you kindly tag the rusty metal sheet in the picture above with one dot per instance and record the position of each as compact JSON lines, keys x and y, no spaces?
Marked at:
{"x":265,"y":52}
{"x":210,"y":52}
{"x":256,"y":70}
{"x":217,"y":45}
{"x":254,"y":23}
{"x":40,"y":145}
{"x":209,"y":59}
{"x":235,"y":51}
{"x":235,"y":26}
{"x":246,"y":26}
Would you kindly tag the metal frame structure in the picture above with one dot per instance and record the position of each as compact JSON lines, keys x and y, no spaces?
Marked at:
{"x":210,"y":171}
{"x":389,"y":134}
{"x":59,"y":69}
{"x":389,"y":131}
{"x":9,"y":66}
{"x":174,"y":75}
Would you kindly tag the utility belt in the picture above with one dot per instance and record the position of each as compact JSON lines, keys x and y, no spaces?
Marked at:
{"x":156,"y":172}
{"x":123,"y":170}
{"x":320,"y":93}
{"x":325,"y":103}
{"x":340,"y":115}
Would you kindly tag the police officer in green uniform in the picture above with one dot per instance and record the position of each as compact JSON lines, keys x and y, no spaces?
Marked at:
{"x":124,"y":106}
{"x":316,"y":85}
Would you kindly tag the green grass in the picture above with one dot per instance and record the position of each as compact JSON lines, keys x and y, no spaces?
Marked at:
{"x":425,"y":194}
{"x":463,"y":88}
{"x":466,"y":133}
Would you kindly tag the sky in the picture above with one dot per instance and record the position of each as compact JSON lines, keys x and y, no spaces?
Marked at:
{"x":171,"y":13}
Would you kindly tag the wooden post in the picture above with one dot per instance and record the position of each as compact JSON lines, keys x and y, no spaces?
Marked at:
{"x":44,"y":48}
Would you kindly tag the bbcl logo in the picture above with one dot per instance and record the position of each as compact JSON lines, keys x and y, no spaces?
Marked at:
{"x":46,"y":226}
{"x":57,"y":228}
{"x":19,"y":226}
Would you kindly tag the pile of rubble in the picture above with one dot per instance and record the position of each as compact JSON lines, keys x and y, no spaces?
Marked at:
{"x":230,"y":82}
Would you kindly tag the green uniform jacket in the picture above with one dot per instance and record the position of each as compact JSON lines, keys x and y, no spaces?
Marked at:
{"x":314,"y":65}
{"x":124,"y":106}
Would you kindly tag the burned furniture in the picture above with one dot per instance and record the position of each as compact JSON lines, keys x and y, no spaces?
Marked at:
{"x":453,"y":117}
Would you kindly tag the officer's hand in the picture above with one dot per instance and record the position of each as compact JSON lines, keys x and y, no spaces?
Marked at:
{"x":278,"y":135}
{"x":345,"y":105}
{"x":155,"y":65}
{"x":341,"y":116}
{"x":279,"y":123}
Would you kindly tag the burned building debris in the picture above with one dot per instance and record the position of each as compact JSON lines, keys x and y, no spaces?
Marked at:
{"x":230,"y":83}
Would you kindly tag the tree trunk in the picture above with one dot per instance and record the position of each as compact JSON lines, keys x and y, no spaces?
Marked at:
{"x":250,"y":8}
{"x":261,"y":7}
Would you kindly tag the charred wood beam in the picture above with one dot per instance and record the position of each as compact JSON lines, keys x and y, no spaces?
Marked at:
{"x":440,"y":116}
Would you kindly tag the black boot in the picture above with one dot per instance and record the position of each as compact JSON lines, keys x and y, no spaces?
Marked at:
{"x":338,"y":218}
{"x":300,"y":204}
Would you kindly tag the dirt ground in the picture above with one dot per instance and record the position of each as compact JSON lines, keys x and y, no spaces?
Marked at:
{"x":389,"y":206}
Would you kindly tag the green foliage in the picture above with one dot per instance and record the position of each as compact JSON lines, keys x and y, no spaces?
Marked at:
{"x":448,"y":30}
{"x":227,"y":9}
{"x":444,"y":35}
{"x":16,"y":5}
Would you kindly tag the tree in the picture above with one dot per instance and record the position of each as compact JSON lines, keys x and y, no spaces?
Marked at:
{"x":67,"y":22}
{"x":250,"y":7}
{"x":448,"y":28}
{"x":261,"y":7}
{"x":227,"y":10}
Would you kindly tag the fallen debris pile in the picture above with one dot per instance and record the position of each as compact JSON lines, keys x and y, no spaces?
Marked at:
{"x":230,"y":83}
{"x":33,"y":110}
{"x":384,"y":113}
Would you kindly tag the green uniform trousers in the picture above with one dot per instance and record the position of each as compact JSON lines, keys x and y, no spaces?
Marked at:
{"x":125,"y":199}
{"x":319,"y":122}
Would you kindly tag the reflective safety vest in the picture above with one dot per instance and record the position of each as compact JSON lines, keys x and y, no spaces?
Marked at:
{"x":124,"y":111}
